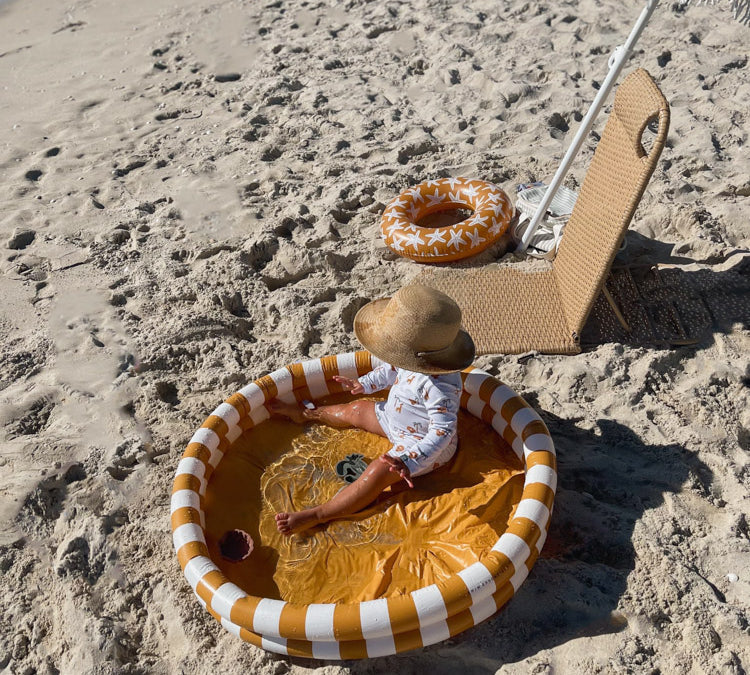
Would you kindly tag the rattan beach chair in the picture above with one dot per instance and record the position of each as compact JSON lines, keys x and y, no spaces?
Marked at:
{"x":509,"y":311}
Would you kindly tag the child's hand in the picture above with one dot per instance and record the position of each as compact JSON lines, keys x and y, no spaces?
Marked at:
{"x":353,"y":386}
{"x":398,"y":467}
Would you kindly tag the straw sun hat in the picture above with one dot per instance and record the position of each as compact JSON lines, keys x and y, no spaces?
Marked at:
{"x":418,"y":329}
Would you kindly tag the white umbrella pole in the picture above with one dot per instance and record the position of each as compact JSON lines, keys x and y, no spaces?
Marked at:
{"x":616,"y":63}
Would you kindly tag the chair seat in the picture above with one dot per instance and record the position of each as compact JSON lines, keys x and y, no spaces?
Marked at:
{"x":507,"y":311}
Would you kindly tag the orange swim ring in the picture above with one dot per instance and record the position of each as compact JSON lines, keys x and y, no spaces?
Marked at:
{"x":490,"y":220}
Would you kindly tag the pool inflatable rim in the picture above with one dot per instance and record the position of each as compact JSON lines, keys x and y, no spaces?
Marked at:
{"x":375,"y":627}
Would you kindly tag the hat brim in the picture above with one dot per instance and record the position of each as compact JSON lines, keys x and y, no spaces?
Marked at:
{"x":368,"y":329}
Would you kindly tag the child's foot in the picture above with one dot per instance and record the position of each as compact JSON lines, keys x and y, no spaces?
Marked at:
{"x":291,"y":411}
{"x":289,"y":523}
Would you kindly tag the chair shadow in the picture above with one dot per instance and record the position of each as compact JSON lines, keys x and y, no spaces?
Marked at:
{"x":666,"y":301}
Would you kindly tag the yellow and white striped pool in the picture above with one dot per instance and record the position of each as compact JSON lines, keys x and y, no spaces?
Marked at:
{"x":381,"y":626}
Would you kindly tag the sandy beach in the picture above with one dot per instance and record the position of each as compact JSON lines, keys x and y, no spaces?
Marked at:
{"x":190,"y":198}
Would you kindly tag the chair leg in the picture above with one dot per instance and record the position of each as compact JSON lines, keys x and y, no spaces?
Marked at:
{"x":615,"y":308}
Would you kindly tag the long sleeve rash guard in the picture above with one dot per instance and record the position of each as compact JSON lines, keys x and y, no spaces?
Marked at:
{"x":420,"y":416}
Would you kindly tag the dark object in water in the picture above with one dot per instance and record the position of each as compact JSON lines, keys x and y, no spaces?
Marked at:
{"x":236,"y":545}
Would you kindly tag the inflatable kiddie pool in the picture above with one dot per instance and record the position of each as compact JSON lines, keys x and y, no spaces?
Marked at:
{"x":416,"y":568}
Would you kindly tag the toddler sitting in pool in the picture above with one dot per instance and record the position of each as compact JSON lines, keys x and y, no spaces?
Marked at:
{"x":418,"y":330}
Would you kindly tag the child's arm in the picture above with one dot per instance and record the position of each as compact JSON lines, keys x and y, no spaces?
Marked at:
{"x":376,"y":380}
{"x":352,"y":386}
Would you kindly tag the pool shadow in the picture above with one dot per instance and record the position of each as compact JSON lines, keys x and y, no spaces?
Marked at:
{"x":608,"y":479}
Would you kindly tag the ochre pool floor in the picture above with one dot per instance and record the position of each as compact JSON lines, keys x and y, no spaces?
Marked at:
{"x":407,"y":540}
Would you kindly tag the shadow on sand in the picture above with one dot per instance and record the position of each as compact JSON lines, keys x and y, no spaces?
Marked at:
{"x":666,"y":301}
{"x":608,"y":479}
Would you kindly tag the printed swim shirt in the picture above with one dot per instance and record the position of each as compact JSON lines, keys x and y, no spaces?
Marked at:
{"x":420,"y":416}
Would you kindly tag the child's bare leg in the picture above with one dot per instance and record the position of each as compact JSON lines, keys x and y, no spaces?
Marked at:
{"x":354,"y":497}
{"x":358,"y":414}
